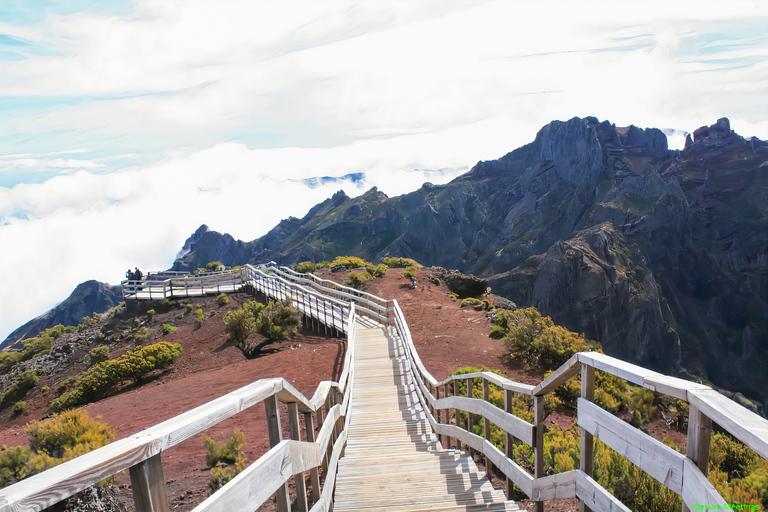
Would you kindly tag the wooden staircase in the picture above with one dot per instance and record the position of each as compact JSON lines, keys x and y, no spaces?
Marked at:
{"x":393,"y":461}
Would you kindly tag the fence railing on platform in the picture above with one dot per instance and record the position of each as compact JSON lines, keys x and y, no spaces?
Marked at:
{"x":338,"y":306}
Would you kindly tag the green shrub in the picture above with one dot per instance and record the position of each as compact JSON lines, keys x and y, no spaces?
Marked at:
{"x":63,"y":437}
{"x":323,"y":264}
{"x":189,"y":309}
{"x":185,"y":302}
{"x":9,"y":359}
{"x":44,"y":389}
{"x":21,"y":384}
{"x":349,"y":262}
{"x":306,"y":267}
{"x":37,"y":346}
{"x":279,"y":321}
{"x":213,"y":265}
{"x":103,"y":377}
{"x":379,"y":270}
{"x":358,"y":278}
{"x":400,"y":263}
{"x":222,"y":300}
{"x":642,"y":402}
{"x":218,"y":453}
{"x":410,"y":272}
{"x":497,"y":332}
{"x":275,"y":321}
{"x":166,"y":305}
{"x":477,"y":304}
{"x":199,"y":315}
{"x":19,"y":407}
{"x":536,"y":340}
{"x":13,"y":464}
{"x":141,"y":334}
{"x":168,"y":329}
{"x":150,"y":313}
{"x":98,"y":354}
{"x":227,"y":451}
{"x":239,"y":323}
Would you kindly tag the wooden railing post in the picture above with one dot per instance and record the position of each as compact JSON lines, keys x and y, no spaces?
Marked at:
{"x":148,"y":485}
{"x":447,"y":416}
{"x":487,"y":432}
{"x":538,"y":442}
{"x":457,"y":412}
{"x":470,"y":390}
{"x":587,"y":442}
{"x":508,"y":448}
{"x":314,"y":474}
{"x":438,"y":415}
{"x":272,"y":407}
{"x":298,"y":479}
{"x":699,"y":433}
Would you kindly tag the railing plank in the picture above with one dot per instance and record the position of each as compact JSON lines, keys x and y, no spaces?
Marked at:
{"x":554,"y":487}
{"x":697,"y":490}
{"x":49,"y":487}
{"x":254,"y":485}
{"x":655,"y":458}
{"x":558,"y":377}
{"x":595,"y":496}
{"x":148,"y":486}
{"x":746,"y":426}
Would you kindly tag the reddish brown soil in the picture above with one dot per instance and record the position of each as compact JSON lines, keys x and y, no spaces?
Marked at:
{"x":447,"y":337}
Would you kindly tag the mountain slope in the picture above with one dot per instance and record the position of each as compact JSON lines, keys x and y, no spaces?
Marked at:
{"x":660,"y":255}
{"x":87,"y":298}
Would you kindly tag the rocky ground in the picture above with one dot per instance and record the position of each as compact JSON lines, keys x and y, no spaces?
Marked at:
{"x":446,"y":336}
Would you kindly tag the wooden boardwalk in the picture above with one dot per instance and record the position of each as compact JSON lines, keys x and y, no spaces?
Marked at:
{"x":393,"y":461}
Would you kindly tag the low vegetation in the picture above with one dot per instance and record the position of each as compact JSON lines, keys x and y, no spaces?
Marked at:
{"x":100,"y":379}
{"x":168,"y":328}
{"x":222,"y":300}
{"x":54,"y":441}
{"x":220,"y":454}
{"x":22,"y":383}
{"x":275,"y":321}
{"x":98,"y":355}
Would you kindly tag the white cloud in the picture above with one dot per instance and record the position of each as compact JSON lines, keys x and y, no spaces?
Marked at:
{"x":85,"y":226}
{"x":324,"y":89}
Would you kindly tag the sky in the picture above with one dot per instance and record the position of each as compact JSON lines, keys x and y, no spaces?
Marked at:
{"x":126,"y":124}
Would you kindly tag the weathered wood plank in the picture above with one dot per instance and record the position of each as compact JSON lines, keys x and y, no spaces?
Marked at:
{"x":518,"y":427}
{"x":745,"y":425}
{"x":633,"y":373}
{"x":148,"y":486}
{"x":554,"y":487}
{"x":254,"y":486}
{"x":595,"y":496}
{"x":696,"y":488}
{"x":41,"y":491}
{"x":558,"y":377}
{"x":272,"y":408}
{"x":672,"y":386}
{"x":493,"y":378}
{"x":586,"y":441}
{"x":655,"y":458}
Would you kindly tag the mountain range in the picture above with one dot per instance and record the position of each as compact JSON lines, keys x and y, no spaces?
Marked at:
{"x":660,"y":255}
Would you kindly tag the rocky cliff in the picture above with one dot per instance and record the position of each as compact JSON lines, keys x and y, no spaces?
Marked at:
{"x":87,"y":298}
{"x":660,"y":255}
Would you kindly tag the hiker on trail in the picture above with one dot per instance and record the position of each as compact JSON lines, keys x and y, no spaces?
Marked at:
{"x":137,"y":275}
{"x":129,"y":275}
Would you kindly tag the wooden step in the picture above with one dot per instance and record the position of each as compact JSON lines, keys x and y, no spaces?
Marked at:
{"x":393,"y":460}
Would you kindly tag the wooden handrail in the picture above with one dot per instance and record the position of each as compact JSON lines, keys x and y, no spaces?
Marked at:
{"x":676,"y":471}
{"x":685,"y":475}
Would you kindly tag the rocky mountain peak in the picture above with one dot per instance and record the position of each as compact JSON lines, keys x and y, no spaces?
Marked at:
{"x":192,"y":240}
{"x":716,"y":135}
